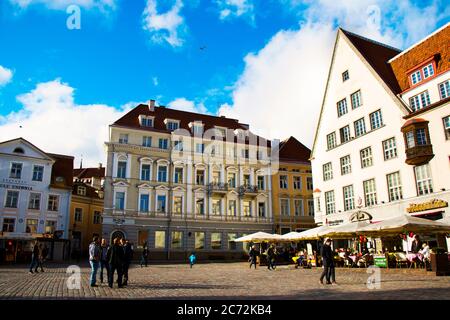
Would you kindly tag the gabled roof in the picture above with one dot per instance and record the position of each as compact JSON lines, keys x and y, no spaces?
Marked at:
{"x":88,"y":173}
{"x":292,"y":150}
{"x":32,"y":146}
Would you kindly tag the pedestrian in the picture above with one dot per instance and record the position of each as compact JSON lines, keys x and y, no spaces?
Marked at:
{"x":39,"y":259}
{"x":34,"y":257}
{"x":115,"y":258}
{"x":192,"y":259}
{"x":104,"y":264}
{"x":144,"y":257}
{"x":252,"y":256}
{"x":128,"y":256}
{"x":94,"y":260}
{"x":327,"y":261}
{"x":43,"y":256}
{"x":271,"y":257}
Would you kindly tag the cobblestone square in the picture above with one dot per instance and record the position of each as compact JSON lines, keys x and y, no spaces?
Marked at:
{"x":223,"y":281}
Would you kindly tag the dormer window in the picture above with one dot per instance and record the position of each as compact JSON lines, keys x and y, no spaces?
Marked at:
{"x":81,"y":190}
{"x":420,"y":73}
{"x":146,"y":121}
{"x":416,"y":77}
{"x":220,"y":132}
{"x":428,"y":71}
{"x":197,"y":128}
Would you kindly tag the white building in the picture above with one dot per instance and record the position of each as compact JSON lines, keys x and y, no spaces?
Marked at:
{"x":382,"y":143}
{"x":35,"y":193}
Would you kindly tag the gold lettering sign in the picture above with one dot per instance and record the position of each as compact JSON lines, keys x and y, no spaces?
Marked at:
{"x":433,"y":204}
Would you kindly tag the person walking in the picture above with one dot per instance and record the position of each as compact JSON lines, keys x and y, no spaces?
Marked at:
{"x":144,"y":257}
{"x":252,"y":256}
{"x":327,"y":261}
{"x":192,"y":259}
{"x":104,"y":264}
{"x":94,"y":260}
{"x":128,"y":256}
{"x":34,"y":257}
{"x":271,"y":257}
{"x":115,"y":258}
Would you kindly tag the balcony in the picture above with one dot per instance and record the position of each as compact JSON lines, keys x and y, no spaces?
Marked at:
{"x":419,"y":155}
{"x":217,"y":188}
{"x":248,"y":190}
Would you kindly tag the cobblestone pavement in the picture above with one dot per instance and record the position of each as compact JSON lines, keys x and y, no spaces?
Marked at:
{"x":223,"y":281}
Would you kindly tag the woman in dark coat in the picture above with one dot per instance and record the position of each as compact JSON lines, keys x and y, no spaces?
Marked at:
{"x":253,"y":254}
{"x":327,"y":260}
{"x":116,"y":259}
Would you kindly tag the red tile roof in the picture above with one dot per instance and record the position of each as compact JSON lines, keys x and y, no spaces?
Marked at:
{"x":292,"y":150}
{"x":63,"y":167}
{"x":87,"y":173}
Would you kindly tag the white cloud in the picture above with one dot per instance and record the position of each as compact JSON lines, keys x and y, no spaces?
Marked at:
{"x":5,"y":75}
{"x":281,"y":88}
{"x":235,"y":8}
{"x":155,"y":81}
{"x":165,"y":27}
{"x":52,"y":120}
{"x":186,"y":105}
{"x":102,"y":5}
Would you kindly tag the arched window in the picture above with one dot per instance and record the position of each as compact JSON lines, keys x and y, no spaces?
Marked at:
{"x":19,"y":150}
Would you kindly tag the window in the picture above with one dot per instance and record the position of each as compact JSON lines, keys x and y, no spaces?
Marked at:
{"x":178,"y":145}
{"x":178,"y":205}
{"x":161,"y":203}
{"x":245,"y":153}
{"x":342,"y":107}
{"x":163,"y":143}
{"x":360,"y":127}
{"x":81,"y":190}
{"x":8,"y":224}
{"x":144,"y":203}
{"x":216,"y":177}
{"x":331,"y":140}
{"x":376,"y":120}
{"x":389,"y":149}
{"x":231,"y":242}
{"x":162,"y":174}
{"x":97,"y":217}
{"x":318,"y":204}
{"x":38,"y":173}
{"x":172,"y":125}
{"x":121,"y":169}
{"x":345,"y":76}
{"x":50,"y":226}
{"x":420,"y":101}
{"x":444,"y":89}
{"x":416,"y":77}
{"x":297,"y":183}
{"x":283,"y":182}
{"x":53,"y":202}
{"x":146,"y":122}
{"x":261,"y":184}
{"x":12,"y":199}
{"x":146,"y":141}
{"x":123,"y":138}
{"x":261,"y":209}
{"x":356,"y":99}
{"x":421,"y":137}
{"x":16,"y":170}
{"x":216,"y":207}
{"x":346,"y":165}
{"x":309,"y":183}
{"x":366,"y":157}
{"x":247,"y":209}
{"x":410,"y":142}
{"x":120,"y":201}
{"x":200,"y":177}
{"x":32,"y":226}
{"x":145,"y":172}
{"x":200,"y":206}
{"x":327,"y":171}
{"x":178,"y":178}
{"x":246,"y":179}
{"x":142,"y":238}
{"x":78,"y":215}
{"x":428,"y":71}
{"x":284,"y":207}
{"x":232,"y":208}
{"x":370,"y":192}
{"x":197,"y":129}
{"x":216,"y":240}
{"x":394,"y":186}
{"x":446,"y":122}
{"x":200,"y":147}
{"x":199,"y":240}
{"x":232,"y":180}
{"x":160,"y":239}
{"x":35,"y":201}
{"x":177,"y":239}
{"x":329,"y":202}
{"x":345,"y":134}
{"x":310,"y":208}
{"x":298,"y":207}
{"x":423,"y":179}
{"x":349,"y":203}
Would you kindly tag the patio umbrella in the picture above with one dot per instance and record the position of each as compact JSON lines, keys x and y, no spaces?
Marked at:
{"x":259,"y":237}
{"x":404,"y":222}
{"x":290,"y":236}
{"x":310,"y":234}
{"x":344,"y":231}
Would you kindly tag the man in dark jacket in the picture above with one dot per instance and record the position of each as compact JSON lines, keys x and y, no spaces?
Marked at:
{"x":34,"y":258}
{"x":271,"y":257}
{"x":252,"y":256}
{"x":115,"y":258}
{"x":416,"y":244}
{"x":128,"y":256}
{"x":327,"y":260}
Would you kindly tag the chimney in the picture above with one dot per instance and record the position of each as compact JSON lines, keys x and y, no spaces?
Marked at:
{"x":99,"y":165}
{"x":151,"y":105}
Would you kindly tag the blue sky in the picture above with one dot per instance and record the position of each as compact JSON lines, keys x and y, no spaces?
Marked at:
{"x":263,"y":61}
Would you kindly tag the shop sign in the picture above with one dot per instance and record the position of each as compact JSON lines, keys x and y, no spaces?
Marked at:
{"x":424,"y":206}
{"x":8,"y":185}
{"x":380,"y":261}
{"x":360,"y":216}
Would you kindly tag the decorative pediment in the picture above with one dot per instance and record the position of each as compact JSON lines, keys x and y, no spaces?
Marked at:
{"x":232,"y":192}
{"x":200,"y":166}
{"x":121,"y":183}
{"x":163,"y":161}
{"x":199,"y":190}
{"x":122,"y":156}
{"x":231,"y":169}
{"x":162,"y":187}
{"x":145,"y":186}
{"x":179,"y":163}
{"x":179,"y":188}
{"x":146,"y":159}
{"x":263,"y":195}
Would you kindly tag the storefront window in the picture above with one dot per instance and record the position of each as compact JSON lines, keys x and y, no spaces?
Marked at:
{"x":216,"y":241}
{"x":199,"y":240}
{"x":177,"y":239}
{"x":160,"y":239}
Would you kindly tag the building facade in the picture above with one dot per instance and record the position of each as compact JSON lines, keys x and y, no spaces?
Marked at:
{"x":35,"y":193}
{"x":182,"y":182}
{"x":292,"y":189}
{"x":382,"y":142}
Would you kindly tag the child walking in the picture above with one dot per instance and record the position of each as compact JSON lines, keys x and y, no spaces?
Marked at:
{"x":192,"y":259}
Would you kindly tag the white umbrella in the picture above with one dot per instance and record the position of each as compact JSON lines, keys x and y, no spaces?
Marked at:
{"x":259,"y":237}
{"x":290,"y":236}
{"x":344,"y":230}
{"x":310,"y":234}
{"x":405,"y":222}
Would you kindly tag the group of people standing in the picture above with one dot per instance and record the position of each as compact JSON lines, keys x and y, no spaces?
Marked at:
{"x":270,"y":253}
{"x":112,"y":258}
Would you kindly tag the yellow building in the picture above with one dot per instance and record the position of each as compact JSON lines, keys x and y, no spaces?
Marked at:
{"x":292,"y":189}
{"x":86,"y":209}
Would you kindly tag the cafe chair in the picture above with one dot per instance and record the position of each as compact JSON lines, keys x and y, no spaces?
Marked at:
{"x":400,"y":260}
